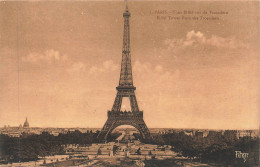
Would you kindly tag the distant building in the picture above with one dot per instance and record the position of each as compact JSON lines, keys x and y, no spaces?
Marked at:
{"x":199,"y":134}
{"x":188,"y":132}
{"x":249,"y":133}
{"x":214,"y":134}
{"x":230,"y":134}
{"x":26,"y":124}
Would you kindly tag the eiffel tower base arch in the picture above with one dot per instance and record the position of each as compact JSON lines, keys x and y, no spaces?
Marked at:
{"x":116,"y":119}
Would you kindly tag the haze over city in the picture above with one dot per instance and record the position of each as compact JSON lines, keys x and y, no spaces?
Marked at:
{"x":60,"y":64}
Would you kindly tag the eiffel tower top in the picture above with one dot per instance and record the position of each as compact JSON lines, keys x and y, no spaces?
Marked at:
{"x":126,"y":7}
{"x":126,"y":79}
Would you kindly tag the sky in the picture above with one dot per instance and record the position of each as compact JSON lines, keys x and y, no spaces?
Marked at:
{"x":60,"y":63}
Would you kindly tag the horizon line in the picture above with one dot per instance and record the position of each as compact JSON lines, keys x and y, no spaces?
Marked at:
{"x":135,"y":128}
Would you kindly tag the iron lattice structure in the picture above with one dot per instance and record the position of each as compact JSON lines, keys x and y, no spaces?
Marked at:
{"x":116,"y":117}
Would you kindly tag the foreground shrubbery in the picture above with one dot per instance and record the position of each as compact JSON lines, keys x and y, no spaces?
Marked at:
{"x":30,"y":147}
{"x":217,"y":149}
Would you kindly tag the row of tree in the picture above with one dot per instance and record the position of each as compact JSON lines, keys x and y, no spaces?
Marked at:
{"x":30,"y":147}
{"x":218,"y":149}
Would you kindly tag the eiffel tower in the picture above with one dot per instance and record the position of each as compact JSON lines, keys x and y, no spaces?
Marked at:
{"x":116,"y":117}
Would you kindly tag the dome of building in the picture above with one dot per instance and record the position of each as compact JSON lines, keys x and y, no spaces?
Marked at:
{"x":26,"y":124}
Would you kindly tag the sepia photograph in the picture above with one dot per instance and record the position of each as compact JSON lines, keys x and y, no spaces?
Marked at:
{"x":129,"y":83}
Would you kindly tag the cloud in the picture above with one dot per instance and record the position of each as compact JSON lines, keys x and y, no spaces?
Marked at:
{"x":48,"y":57}
{"x":148,"y":69}
{"x":198,"y":38}
{"x":231,"y":43}
{"x":158,"y":68}
{"x":148,"y":75}
{"x":107,"y":65}
{"x":144,"y":67}
{"x":77,"y":67}
{"x":93,"y":69}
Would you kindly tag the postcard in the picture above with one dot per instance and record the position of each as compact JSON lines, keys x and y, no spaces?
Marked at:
{"x":129,"y":83}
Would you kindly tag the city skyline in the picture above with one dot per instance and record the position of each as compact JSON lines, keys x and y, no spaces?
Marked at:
{"x":60,"y":64}
{"x":25,"y":125}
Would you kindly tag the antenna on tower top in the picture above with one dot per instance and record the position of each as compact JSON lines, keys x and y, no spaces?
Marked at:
{"x":126,"y":5}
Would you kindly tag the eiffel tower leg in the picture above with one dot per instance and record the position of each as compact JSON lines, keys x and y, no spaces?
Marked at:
{"x":104,"y":132}
{"x":140,"y":124}
{"x":133,"y":102}
{"x":117,"y":104}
